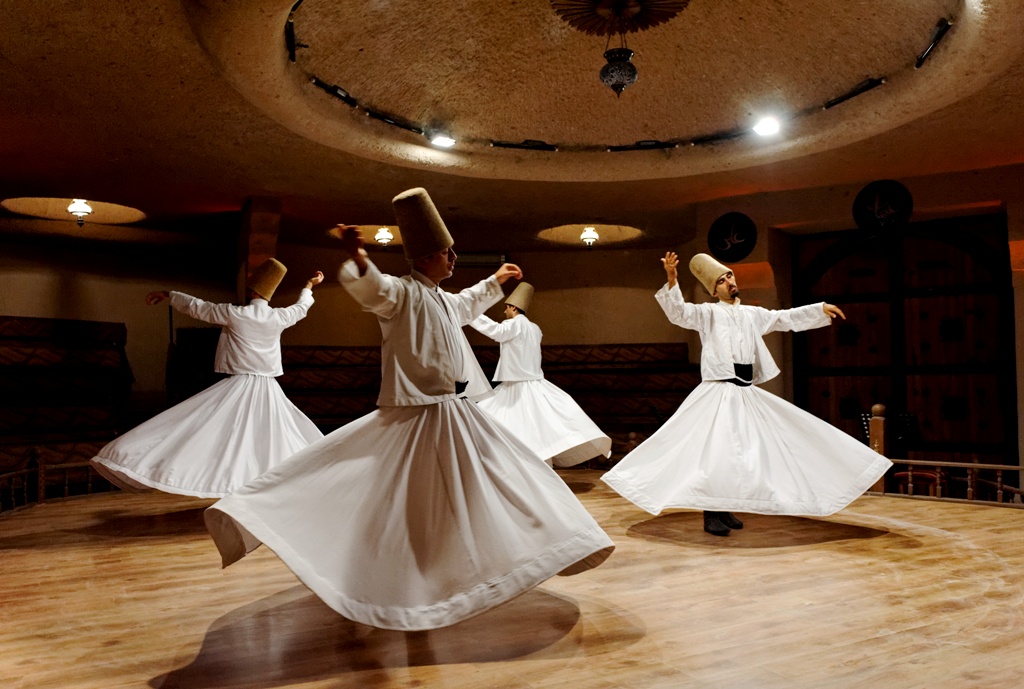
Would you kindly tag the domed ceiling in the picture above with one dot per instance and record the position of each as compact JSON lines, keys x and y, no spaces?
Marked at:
{"x":186,"y":109}
{"x":368,"y":78}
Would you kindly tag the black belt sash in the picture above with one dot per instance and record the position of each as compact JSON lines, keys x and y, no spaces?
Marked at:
{"x":744,"y":375}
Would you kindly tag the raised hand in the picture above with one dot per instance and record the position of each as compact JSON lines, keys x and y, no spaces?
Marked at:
{"x":831,"y":310}
{"x":154,"y":298}
{"x":670,"y":262}
{"x":349,"y":235}
{"x":352,"y":242}
{"x":315,"y":280}
{"x":508,"y":270}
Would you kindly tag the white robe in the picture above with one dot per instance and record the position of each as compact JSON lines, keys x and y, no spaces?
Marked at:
{"x":426,"y":511}
{"x":223,"y":437}
{"x":540,"y":413}
{"x":738,"y":448}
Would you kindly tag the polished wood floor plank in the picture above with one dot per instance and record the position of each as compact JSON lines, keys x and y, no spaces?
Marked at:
{"x":123,"y":590}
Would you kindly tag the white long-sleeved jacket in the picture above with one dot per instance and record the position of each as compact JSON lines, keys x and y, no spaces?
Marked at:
{"x":250,"y":339}
{"x":520,"y":346}
{"x":732,"y":333}
{"x":424,"y":351}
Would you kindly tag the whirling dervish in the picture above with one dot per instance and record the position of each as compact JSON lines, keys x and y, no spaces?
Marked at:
{"x":230,"y":433}
{"x":540,"y":413}
{"x":731,"y":445}
{"x":426,"y":511}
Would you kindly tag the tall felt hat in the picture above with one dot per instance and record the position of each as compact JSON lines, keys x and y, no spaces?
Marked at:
{"x":423,"y":231}
{"x":267,"y":276}
{"x":707,"y":271}
{"x":521,"y":296}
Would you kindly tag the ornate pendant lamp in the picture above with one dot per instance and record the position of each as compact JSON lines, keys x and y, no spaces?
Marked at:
{"x":617,"y":17}
{"x":619,"y":72}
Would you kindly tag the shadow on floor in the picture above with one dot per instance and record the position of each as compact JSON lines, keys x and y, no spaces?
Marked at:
{"x":293,"y":637}
{"x":116,"y":524}
{"x":759,"y":531}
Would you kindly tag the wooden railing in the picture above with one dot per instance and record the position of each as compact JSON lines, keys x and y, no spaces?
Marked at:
{"x":38,"y":482}
{"x":935,"y":476}
{"x":20,"y":488}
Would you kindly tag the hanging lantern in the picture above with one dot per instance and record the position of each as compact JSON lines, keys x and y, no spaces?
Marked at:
{"x":617,"y":18}
{"x":619,"y":72}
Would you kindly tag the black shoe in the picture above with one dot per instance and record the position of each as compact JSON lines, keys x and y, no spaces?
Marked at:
{"x":729,"y":520}
{"x":713,"y":525}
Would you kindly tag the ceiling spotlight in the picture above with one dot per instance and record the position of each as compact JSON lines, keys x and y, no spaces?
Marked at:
{"x":383,"y":236}
{"x":589,"y":236}
{"x":442,"y":140}
{"x":767,"y":126}
{"x":80,"y":209}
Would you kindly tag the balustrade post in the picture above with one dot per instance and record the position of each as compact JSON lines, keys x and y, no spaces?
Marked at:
{"x":40,"y":477}
{"x":876,"y":440}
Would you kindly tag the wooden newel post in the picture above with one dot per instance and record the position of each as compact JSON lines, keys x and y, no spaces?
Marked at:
{"x":876,"y":440}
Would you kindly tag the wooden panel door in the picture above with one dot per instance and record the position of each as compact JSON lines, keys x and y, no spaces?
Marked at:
{"x":929,"y":334}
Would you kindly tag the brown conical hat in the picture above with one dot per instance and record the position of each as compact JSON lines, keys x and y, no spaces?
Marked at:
{"x":267,"y":276}
{"x":707,"y":271}
{"x":423,"y":231}
{"x":521,"y":296}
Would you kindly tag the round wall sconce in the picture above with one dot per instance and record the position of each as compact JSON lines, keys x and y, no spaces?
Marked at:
{"x":99,"y":212}
{"x":79,"y":208}
{"x":571,"y":235}
{"x":383,"y":236}
{"x":375,"y":236}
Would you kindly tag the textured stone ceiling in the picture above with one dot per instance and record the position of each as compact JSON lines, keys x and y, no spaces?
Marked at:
{"x":183,"y":109}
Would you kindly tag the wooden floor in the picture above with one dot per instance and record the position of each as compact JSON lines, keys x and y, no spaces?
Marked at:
{"x":125,"y":590}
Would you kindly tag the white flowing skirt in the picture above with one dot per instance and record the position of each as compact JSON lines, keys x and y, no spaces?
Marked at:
{"x":212,"y":443}
{"x":742,"y":449}
{"x":414,"y":518}
{"x":548,"y":420}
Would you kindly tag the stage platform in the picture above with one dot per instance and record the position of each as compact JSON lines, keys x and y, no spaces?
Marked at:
{"x":126,"y":590}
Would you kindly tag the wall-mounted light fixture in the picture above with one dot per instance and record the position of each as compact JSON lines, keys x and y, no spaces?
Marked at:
{"x":589,"y":236}
{"x":80,"y":209}
{"x":383,"y":236}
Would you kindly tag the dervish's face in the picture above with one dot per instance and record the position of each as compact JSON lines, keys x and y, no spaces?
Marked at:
{"x":726,"y":289}
{"x":438,"y":266}
{"x":510,"y":311}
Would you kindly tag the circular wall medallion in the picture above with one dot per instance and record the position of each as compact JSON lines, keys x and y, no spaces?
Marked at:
{"x":732,"y":237}
{"x":882,"y":205}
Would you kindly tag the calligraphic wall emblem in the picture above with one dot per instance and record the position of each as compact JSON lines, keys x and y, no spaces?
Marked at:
{"x":882,"y":205}
{"x":732,"y":237}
